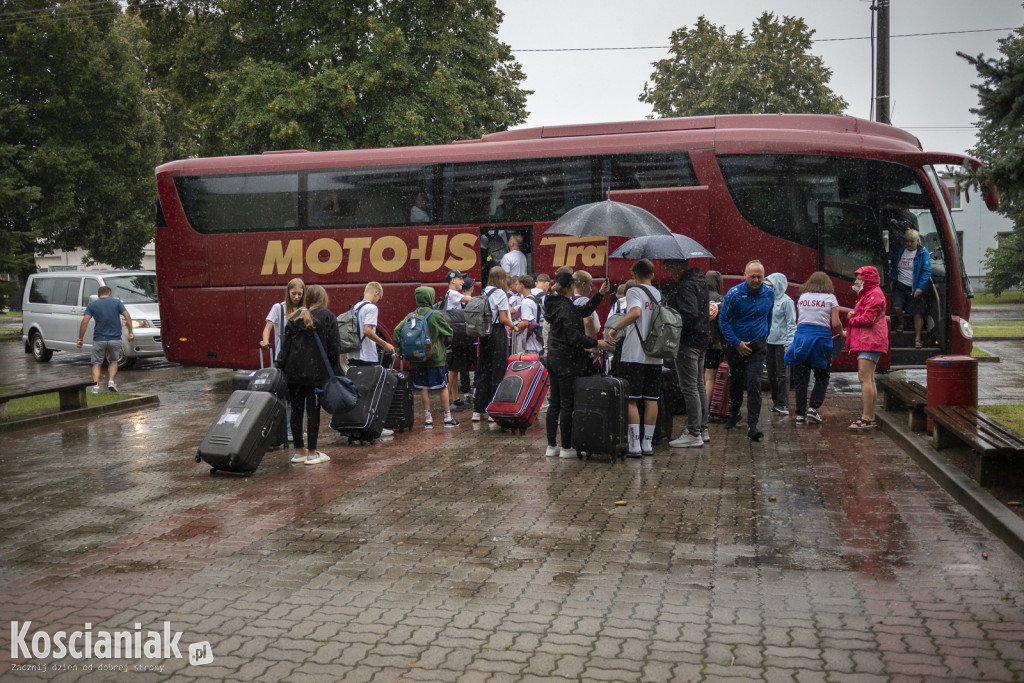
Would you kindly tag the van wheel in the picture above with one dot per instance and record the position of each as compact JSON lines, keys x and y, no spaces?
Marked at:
{"x":126,"y":363}
{"x":39,"y":350}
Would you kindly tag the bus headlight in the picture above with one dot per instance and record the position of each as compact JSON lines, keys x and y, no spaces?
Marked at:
{"x":966,"y":330}
{"x":136,"y":323}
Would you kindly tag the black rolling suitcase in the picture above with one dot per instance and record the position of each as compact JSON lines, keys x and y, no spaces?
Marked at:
{"x":241,"y":434}
{"x":365,"y":420}
{"x":401,"y":415}
{"x":599,"y":417}
{"x":273,"y":381}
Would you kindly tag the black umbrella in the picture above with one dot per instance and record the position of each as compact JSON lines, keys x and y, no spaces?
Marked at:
{"x":608,"y":219}
{"x":677,"y":247}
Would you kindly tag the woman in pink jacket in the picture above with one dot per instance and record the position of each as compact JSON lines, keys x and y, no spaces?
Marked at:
{"x":869,"y":338}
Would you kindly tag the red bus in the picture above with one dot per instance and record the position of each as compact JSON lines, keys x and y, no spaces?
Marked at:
{"x":799,"y":192}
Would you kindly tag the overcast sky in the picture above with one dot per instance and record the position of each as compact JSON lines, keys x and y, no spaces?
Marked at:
{"x":930,"y":86}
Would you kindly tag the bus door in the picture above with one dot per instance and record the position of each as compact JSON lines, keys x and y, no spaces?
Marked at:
{"x":849,"y":238}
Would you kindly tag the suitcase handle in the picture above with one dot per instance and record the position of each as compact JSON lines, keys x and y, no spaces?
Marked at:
{"x":261,"y":348}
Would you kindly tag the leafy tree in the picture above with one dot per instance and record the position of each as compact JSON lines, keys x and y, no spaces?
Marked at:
{"x":1000,"y":145}
{"x":256,"y":75}
{"x":771,"y":72}
{"x":77,"y":145}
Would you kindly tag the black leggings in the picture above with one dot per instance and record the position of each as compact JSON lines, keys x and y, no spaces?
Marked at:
{"x":490,"y":367}
{"x":303,"y":402}
{"x":561,"y":403}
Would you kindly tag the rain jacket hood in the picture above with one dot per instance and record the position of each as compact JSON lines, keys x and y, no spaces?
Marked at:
{"x":437,"y":326}
{"x":869,"y":328}
{"x":783,"y":313}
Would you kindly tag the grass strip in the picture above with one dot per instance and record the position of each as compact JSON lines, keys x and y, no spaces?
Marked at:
{"x":989,"y":299}
{"x":979,"y":353}
{"x":1011,"y":415}
{"x":50,"y":403}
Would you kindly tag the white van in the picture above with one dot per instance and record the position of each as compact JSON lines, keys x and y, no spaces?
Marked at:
{"x":55,"y":302}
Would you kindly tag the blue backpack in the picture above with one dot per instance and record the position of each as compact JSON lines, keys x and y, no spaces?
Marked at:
{"x":414,"y":338}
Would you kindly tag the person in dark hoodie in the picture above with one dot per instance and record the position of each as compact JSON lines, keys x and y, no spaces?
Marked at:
{"x":430,"y":373}
{"x":302,"y":364}
{"x":691,"y":299}
{"x":745,"y":319}
{"x":567,"y":357}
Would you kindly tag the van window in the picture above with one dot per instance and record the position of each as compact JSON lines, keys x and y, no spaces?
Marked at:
{"x":90,"y":287}
{"x":42,"y":290}
{"x":57,"y":291}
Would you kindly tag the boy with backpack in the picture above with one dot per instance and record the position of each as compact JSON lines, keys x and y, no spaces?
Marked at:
{"x":420,"y":338}
{"x":364,"y":316}
{"x":642,"y":371}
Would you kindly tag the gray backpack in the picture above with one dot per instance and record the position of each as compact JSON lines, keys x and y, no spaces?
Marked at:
{"x":478,"y":315}
{"x":666,"y":330}
{"x":350,"y":331}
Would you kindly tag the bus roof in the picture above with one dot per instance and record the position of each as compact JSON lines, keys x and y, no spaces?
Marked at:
{"x":781,"y":133}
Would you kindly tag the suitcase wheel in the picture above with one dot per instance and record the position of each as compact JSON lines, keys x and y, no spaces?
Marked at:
{"x":198,"y":458}
{"x":213,"y":471}
{"x":522,"y":430}
{"x":579,"y":455}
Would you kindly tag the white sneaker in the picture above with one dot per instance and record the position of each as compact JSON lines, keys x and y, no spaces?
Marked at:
{"x":428,"y":423}
{"x":298,"y":458}
{"x":387,"y":432}
{"x":317,"y":458}
{"x":551,"y":452}
{"x":94,"y":389}
{"x":490,"y":419}
{"x":476,"y":417}
{"x":687,"y":440}
{"x":568,"y":453}
{"x":111,"y":387}
{"x":812,"y":414}
{"x":705,"y":435}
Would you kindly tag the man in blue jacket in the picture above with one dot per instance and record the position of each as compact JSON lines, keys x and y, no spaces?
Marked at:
{"x":745,"y":319}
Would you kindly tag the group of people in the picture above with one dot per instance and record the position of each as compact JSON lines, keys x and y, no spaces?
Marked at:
{"x":753,"y":324}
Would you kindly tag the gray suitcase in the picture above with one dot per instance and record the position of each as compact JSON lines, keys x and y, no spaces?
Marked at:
{"x":242,"y":433}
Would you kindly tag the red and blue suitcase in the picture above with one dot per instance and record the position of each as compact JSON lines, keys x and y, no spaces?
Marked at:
{"x":519,"y":395}
{"x":599,"y":416}
{"x":241,"y":435}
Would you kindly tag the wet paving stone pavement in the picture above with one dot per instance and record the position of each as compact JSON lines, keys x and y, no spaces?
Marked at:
{"x":466,"y":555}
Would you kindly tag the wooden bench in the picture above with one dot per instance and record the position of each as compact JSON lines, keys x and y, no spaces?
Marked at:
{"x":901,"y":394}
{"x":997,"y":448}
{"x":72,"y":394}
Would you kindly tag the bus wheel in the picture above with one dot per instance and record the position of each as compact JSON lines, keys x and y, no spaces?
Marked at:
{"x":39,"y":350}
{"x":126,"y":363}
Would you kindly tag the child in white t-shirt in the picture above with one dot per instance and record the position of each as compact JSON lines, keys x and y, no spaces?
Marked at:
{"x":641,"y":371}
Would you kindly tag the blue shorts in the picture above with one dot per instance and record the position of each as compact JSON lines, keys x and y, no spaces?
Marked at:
{"x":872,"y":356}
{"x":429,"y":378}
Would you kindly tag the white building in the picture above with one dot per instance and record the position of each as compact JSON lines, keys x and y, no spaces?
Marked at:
{"x":978,"y":229}
{"x":72,"y":260}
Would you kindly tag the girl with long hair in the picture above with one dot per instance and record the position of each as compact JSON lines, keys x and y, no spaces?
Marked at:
{"x":493,"y":356}
{"x":302,"y":363}
{"x":817,"y":312}
{"x":567,"y":356}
